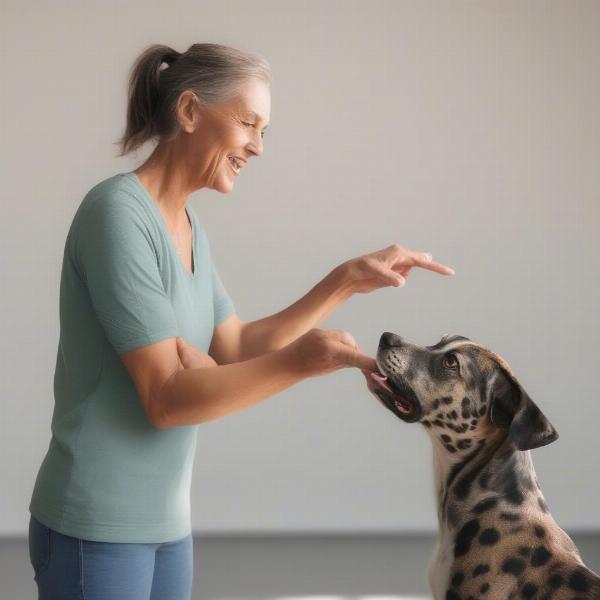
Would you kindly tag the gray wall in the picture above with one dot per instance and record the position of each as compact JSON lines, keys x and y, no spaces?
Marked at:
{"x":468,"y":129}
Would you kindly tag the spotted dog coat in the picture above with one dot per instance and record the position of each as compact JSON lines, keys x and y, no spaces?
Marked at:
{"x":497,"y":539}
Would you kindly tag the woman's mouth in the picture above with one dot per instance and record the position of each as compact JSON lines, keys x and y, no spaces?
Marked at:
{"x":234,"y":164}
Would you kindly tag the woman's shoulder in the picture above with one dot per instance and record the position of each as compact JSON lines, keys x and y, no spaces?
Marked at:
{"x":114,"y":200}
{"x":111,"y":207}
{"x":118,"y":189}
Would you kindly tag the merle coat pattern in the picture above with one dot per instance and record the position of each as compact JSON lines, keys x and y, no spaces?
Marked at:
{"x":497,"y":539}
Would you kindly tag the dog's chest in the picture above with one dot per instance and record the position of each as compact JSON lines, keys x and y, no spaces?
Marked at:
{"x":441,"y":563}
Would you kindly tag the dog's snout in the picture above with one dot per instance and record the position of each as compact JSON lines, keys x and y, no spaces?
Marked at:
{"x":389,"y":339}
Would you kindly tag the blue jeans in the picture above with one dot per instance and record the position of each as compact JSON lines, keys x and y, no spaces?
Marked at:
{"x":69,"y":568}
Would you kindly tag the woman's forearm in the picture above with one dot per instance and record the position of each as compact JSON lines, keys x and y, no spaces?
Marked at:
{"x":192,"y":396}
{"x":279,"y":330}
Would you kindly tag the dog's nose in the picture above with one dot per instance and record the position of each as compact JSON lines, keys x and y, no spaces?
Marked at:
{"x":389,"y":339}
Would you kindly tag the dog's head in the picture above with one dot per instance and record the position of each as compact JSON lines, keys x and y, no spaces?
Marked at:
{"x":459,"y":390}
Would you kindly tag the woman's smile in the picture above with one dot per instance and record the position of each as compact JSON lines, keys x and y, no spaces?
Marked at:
{"x":234,"y":165}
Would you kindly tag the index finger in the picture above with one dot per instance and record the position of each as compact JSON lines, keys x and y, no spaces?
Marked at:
{"x":433,"y":266}
{"x":365,"y":363}
{"x":353,"y":358}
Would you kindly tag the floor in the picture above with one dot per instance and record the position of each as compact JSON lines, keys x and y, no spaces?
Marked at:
{"x":284,"y":568}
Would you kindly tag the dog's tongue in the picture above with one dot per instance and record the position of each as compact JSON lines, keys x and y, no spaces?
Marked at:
{"x":401,"y":406}
{"x":398,"y":401}
{"x":379,"y":378}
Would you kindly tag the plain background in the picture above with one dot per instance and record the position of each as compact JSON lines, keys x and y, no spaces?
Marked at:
{"x":467,"y":129}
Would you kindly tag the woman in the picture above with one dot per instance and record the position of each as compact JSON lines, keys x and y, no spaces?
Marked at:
{"x":110,"y":512}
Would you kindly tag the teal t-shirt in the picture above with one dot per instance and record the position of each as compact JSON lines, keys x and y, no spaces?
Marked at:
{"x":109,"y":475}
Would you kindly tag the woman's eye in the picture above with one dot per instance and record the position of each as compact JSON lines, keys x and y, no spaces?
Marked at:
{"x":450,"y":361}
{"x":262,"y":133}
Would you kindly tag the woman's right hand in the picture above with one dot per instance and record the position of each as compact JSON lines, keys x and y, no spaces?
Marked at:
{"x":321,"y":351}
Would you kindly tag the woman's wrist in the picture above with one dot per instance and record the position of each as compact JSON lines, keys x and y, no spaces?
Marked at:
{"x":342,"y":281}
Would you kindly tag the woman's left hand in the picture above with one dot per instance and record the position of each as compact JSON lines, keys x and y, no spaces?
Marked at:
{"x":192,"y":357}
{"x":386,"y":267}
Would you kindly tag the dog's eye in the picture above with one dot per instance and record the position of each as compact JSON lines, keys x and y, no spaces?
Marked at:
{"x":450,"y":361}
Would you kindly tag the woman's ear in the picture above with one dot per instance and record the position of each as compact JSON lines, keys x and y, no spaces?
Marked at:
{"x":512,"y":408}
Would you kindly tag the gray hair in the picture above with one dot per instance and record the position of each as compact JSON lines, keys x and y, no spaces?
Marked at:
{"x":212,"y":71}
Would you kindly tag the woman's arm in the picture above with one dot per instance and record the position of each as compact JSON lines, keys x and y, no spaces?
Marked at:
{"x":278,"y":330}
{"x":199,"y":394}
{"x":387,"y":267}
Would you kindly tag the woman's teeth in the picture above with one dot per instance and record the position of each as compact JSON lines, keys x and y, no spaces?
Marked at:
{"x":234,"y":164}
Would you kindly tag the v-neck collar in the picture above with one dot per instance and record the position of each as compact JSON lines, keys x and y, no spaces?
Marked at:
{"x":133,"y":175}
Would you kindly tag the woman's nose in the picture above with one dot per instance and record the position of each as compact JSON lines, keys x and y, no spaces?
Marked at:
{"x":389,"y":339}
{"x":256,"y":147}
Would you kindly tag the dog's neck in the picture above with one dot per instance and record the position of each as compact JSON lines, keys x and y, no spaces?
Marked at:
{"x":491,"y":467}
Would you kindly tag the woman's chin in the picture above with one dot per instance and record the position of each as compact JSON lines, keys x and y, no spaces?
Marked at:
{"x":222,"y":185}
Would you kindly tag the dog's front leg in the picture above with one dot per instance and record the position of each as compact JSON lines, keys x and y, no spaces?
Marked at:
{"x":439,"y":567}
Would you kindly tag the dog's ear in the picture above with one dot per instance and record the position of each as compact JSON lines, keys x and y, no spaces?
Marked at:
{"x":512,"y":408}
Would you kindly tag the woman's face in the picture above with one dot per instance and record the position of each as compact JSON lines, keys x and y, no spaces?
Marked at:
{"x":225,"y":130}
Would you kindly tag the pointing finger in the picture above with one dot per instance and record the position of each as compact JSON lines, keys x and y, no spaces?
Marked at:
{"x":434,"y":266}
{"x":353,"y":358}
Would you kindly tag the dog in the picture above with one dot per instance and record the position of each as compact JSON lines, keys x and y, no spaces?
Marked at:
{"x":497,"y":539}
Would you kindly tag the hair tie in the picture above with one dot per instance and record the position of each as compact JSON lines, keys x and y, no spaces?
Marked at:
{"x":168,"y":59}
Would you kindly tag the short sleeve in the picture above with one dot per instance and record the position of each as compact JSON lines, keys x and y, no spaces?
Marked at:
{"x":222,"y":303}
{"x":117,"y":261}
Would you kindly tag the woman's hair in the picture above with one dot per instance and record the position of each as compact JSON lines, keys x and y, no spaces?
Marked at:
{"x":212,"y":71}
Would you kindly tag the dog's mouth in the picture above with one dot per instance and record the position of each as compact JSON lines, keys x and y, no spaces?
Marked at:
{"x":396,"y":395}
